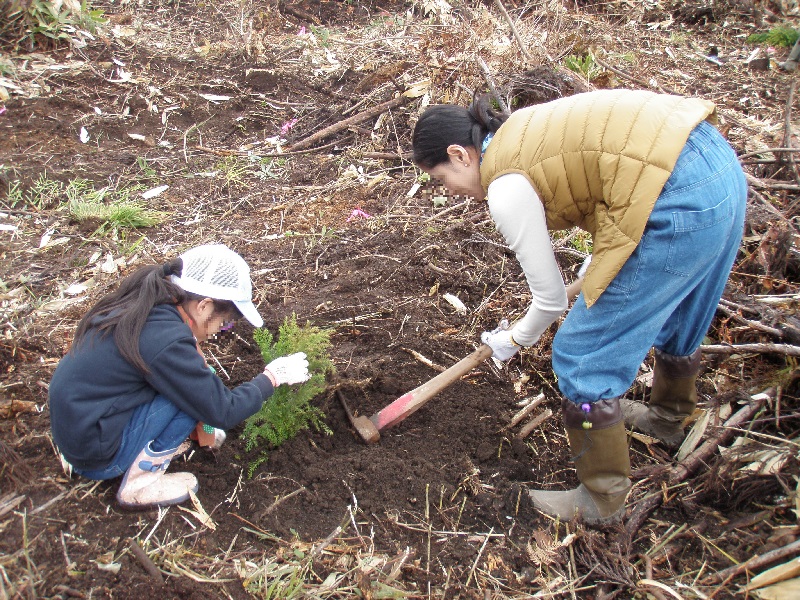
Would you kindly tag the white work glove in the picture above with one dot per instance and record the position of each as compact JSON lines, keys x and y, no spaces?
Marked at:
{"x":585,"y":266}
{"x":500,"y":341}
{"x":288,"y":369}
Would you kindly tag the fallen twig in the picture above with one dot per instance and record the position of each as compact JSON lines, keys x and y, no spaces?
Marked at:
{"x":770,"y":150}
{"x":9,"y":502}
{"x":752,"y":324}
{"x":145,"y":561}
{"x":279,"y":501}
{"x":68,"y":591}
{"x":515,"y":33}
{"x":629,"y":77}
{"x":226,"y":152}
{"x":695,"y":460}
{"x":405,"y":156}
{"x":525,"y":411}
{"x":298,"y":12}
{"x":771,"y":185}
{"x":787,"y":131}
{"x":344,"y":124}
{"x":784,"y":349}
{"x":754,"y":563}
{"x":487,"y":75}
{"x":424,"y":360}
{"x":768,"y":205}
{"x":534,"y":423}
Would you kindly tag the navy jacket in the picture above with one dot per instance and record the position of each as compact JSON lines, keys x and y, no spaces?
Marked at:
{"x":94,"y":390}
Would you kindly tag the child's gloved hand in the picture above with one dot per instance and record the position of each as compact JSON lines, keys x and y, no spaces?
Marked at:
{"x":288,"y":369}
{"x":500,"y":340}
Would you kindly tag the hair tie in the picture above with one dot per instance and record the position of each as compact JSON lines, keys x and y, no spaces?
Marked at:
{"x":166,"y":269}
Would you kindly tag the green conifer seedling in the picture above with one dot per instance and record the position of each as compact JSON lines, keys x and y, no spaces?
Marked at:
{"x":289,"y":410}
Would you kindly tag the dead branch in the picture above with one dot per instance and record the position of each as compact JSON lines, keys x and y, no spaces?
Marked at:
{"x":279,"y":501}
{"x":629,"y":77}
{"x":534,"y":423}
{"x":226,"y":152}
{"x":298,"y":12}
{"x":771,"y":150}
{"x":689,"y":465}
{"x":406,"y":156}
{"x":768,"y":205}
{"x":738,"y":306}
{"x":9,"y":502}
{"x":752,"y":324}
{"x":525,"y":411}
{"x":515,"y":33}
{"x":487,"y":75}
{"x":424,"y":360}
{"x":787,"y":131}
{"x":145,"y":561}
{"x":771,"y":185}
{"x":362,"y":116}
{"x":754,"y":563}
{"x":784,"y":349}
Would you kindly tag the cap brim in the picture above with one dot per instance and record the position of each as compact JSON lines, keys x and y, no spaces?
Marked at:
{"x":250,"y":313}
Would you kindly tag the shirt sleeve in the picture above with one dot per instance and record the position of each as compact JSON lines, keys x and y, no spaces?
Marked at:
{"x":519,"y":216}
{"x":180,"y":374}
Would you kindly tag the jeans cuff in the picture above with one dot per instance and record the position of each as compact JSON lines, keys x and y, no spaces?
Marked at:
{"x":679,"y":367}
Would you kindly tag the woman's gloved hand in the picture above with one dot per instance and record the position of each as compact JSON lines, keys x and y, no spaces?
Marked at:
{"x":288,"y":369}
{"x":585,"y":266}
{"x":500,"y":341}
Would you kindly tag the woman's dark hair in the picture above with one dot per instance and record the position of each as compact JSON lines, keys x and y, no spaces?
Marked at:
{"x":124,"y":311}
{"x":444,"y":124}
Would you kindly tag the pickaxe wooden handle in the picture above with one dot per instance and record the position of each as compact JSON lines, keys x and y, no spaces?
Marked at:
{"x":370,"y":428}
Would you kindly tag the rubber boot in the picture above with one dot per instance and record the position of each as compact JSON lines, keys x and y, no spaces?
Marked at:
{"x":673,"y":398}
{"x":599,"y":447}
{"x":146,"y":483}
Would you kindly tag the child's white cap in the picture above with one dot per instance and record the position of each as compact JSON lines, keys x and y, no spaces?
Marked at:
{"x":217,"y":272}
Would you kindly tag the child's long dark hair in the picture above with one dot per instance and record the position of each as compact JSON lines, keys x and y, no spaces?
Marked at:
{"x":444,"y":124}
{"x":124,"y":311}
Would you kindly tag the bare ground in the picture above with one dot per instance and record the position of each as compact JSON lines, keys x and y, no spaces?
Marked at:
{"x":195,"y":97}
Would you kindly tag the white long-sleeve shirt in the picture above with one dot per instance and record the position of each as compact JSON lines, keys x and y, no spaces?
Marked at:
{"x":519,"y":215}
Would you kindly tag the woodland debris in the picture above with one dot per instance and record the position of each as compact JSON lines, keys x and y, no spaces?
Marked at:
{"x":687,"y":467}
{"x":755,"y":563}
{"x":342,"y":125}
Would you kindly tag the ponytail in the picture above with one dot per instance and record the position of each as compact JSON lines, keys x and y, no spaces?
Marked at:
{"x":124,"y":312}
{"x":442,"y":125}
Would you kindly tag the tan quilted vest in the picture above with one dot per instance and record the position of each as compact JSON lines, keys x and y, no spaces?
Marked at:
{"x":598,"y":161}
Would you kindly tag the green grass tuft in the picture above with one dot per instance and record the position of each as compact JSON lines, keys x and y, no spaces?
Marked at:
{"x":777,"y":36}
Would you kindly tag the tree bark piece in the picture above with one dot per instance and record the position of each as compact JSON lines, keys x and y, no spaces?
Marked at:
{"x":362,"y":116}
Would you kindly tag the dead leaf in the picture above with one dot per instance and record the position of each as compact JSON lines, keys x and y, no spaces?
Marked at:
{"x":776,"y":574}
{"x":786,"y":590}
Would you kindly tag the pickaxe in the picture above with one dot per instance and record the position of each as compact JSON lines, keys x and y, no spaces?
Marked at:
{"x":369,"y":428}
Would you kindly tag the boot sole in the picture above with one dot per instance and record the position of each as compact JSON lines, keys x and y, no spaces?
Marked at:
{"x":152,"y":506}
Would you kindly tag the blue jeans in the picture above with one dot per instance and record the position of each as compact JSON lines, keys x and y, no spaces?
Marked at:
{"x":160,"y":422}
{"x":667,"y":292}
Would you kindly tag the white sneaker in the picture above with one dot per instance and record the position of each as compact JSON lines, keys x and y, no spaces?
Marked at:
{"x":146,"y":483}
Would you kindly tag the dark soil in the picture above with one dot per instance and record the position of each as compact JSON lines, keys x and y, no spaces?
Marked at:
{"x":444,"y":483}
